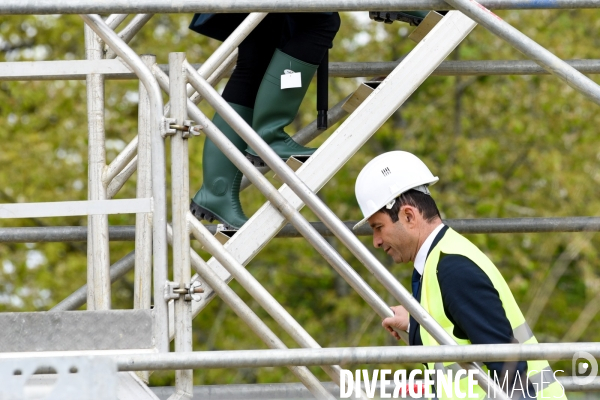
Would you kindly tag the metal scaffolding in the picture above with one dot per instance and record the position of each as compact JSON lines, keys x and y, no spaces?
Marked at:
{"x":152,"y":324}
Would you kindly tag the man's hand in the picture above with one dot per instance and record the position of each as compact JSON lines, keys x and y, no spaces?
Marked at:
{"x":399,"y":321}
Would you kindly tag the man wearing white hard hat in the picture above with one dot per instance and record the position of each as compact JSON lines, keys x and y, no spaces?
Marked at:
{"x":453,"y":280}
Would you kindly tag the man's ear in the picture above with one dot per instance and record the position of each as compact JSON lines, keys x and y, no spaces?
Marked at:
{"x":408,"y":214}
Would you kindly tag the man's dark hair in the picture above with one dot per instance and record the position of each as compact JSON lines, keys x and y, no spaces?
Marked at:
{"x":421,"y":201}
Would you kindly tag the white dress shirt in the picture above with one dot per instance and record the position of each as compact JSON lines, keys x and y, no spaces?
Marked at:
{"x":422,"y":254}
{"x":424,"y":250}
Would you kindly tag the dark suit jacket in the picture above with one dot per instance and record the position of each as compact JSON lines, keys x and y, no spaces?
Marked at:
{"x":471,"y":303}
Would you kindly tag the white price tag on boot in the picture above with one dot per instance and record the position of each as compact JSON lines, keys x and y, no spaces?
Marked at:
{"x":291,"y":79}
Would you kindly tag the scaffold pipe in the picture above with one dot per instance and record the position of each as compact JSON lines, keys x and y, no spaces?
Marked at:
{"x":459,"y":68}
{"x":126,"y":233}
{"x":78,"y":69}
{"x":9,"y":7}
{"x":79,"y":297}
{"x":355,"y":355}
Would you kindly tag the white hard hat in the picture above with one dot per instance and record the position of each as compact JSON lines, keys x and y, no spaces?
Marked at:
{"x":386,"y":177}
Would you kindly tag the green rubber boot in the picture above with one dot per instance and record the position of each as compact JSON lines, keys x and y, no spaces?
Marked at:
{"x":413,"y":17}
{"x":219,"y":196}
{"x":276,"y":108}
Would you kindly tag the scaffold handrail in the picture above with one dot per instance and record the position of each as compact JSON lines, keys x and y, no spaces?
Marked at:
{"x":356,"y":355}
{"x":134,"y":361}
{"x":75,"y":208}
{"x":115,"y":69}
{"x":15,"y":7}
{"x":125,"y":233}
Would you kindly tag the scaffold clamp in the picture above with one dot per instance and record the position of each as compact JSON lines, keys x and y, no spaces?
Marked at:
{"x":190,"y":292}
{"x":189,"y":128}
{"x":167,"y":127}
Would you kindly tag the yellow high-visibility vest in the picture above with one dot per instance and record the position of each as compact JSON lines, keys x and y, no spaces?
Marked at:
{"x":539,"y":372}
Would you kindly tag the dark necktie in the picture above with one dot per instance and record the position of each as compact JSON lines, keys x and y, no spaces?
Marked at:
{"x":416,"y":284}
{"x":416,"y":287}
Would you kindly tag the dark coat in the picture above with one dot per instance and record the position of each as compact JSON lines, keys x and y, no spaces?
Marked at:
{"x":216,"y":26}
{"x":220,"y":26}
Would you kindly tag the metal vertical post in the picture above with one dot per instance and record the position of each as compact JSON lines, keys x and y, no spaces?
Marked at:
{"x":182,"y":271}
{"x":143,"y":222}
{"x":98,"y":275}
{"x":142,"y":292}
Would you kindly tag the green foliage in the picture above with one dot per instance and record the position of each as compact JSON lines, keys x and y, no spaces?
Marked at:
{"x":503,"y":146}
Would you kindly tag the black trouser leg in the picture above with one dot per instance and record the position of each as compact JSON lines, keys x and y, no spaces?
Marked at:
{"x":313,"y":35}
{"x":254,"y":55}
